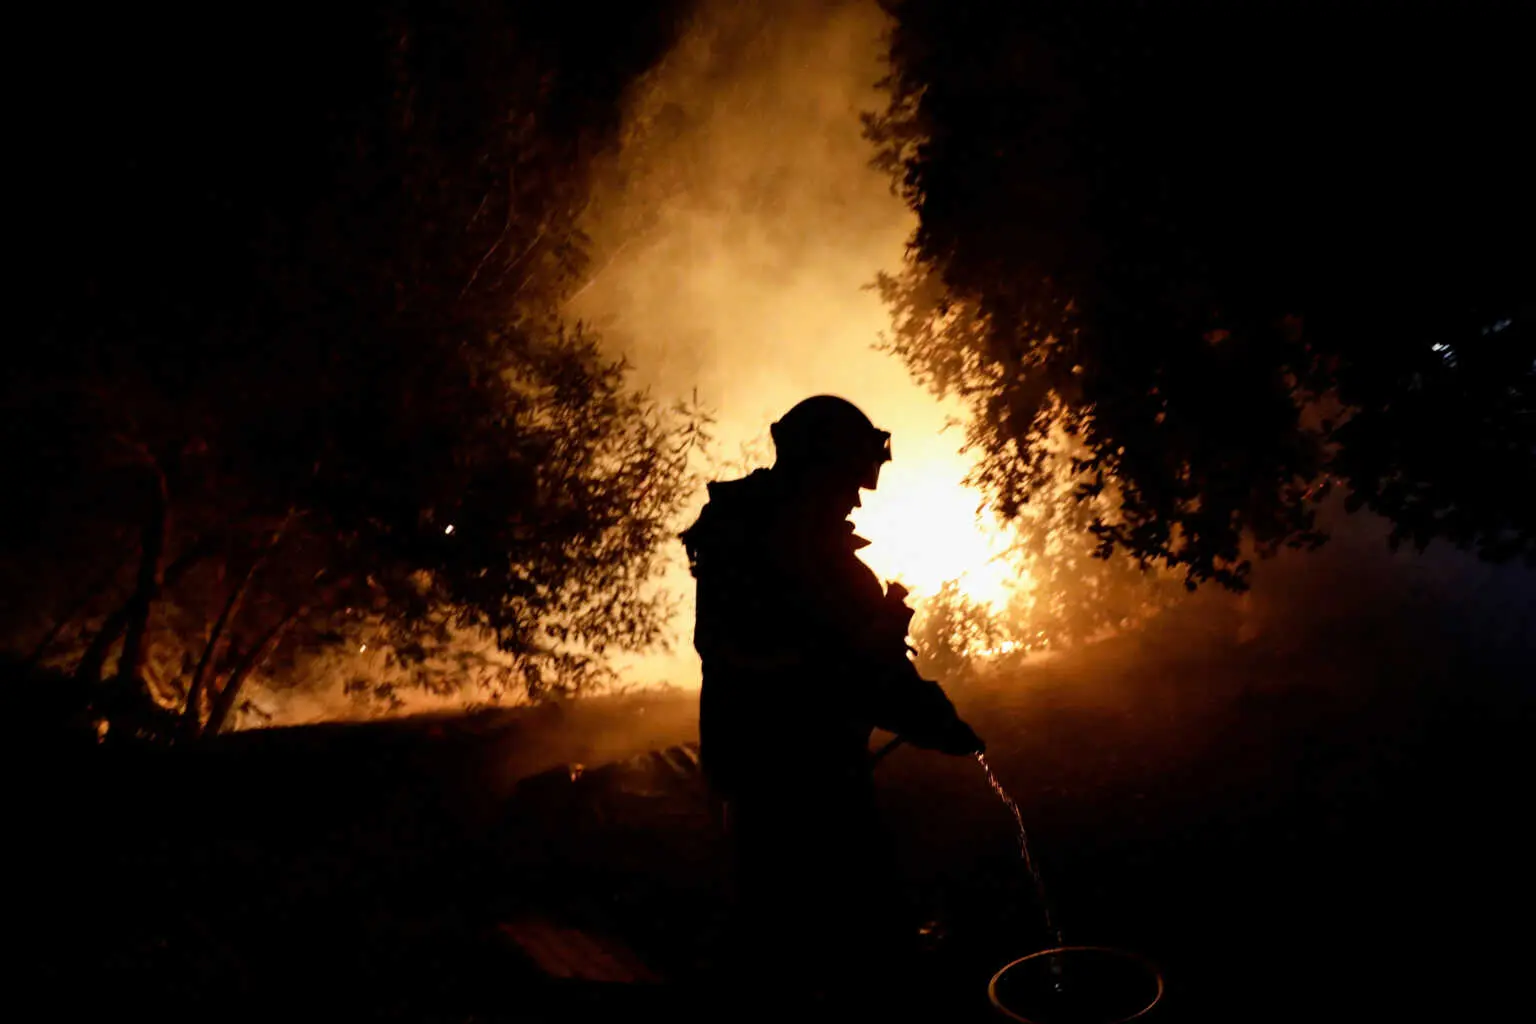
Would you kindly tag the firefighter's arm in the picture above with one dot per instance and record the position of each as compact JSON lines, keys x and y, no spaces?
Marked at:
{"x":897,"y":697}
{"x":917,"y":709}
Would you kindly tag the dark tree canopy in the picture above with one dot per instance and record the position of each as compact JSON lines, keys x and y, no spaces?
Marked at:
{"x":1226,"y":255}
{"x":294,"y":349}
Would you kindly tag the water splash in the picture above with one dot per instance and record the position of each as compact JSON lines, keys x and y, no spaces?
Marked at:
{"x":1057,"y":939}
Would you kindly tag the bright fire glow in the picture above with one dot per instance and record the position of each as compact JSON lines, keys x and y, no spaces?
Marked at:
{"x":925,"y":529}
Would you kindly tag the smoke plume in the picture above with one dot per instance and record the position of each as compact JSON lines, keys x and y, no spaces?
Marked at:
{"x":735,"y":234}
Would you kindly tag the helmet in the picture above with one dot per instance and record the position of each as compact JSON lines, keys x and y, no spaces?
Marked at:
{"x":831,"y":436}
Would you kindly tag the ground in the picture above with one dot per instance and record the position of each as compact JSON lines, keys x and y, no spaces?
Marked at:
{"x":1329,"y":826}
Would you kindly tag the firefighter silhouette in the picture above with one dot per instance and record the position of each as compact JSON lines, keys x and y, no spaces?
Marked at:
{"x":804,"y":653}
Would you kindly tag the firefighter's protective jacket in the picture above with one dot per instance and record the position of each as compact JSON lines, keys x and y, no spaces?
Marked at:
{"x":803,"y":650}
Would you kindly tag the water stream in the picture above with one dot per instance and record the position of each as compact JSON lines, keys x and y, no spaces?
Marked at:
{"x":1051,"y":927}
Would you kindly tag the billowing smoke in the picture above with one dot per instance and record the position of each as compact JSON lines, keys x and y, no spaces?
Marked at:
{"x":735,"y":235}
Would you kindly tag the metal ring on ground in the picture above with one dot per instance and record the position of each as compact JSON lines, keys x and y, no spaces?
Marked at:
{"x":1148,"y":966}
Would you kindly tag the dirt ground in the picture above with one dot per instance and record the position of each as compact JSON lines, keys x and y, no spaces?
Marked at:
{"x":1328,"y":824}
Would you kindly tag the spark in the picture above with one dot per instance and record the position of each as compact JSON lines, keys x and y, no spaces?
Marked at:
{"x":363,"y":648}
{"x":449,"y":529}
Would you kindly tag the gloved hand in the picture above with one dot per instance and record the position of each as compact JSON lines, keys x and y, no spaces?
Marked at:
{"x":961,"y":740}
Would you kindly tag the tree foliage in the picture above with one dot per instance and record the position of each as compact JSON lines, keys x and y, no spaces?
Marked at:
{"x":297,"y":351}
{"x":1235,"y":254}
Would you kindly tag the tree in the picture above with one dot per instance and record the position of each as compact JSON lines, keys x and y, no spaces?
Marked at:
{"x":312,"y":360}
{"x":1235,"y":254}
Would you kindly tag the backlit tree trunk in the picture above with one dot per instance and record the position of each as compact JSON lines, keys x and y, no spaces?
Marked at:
{"x":95,"y":656}
{"x":191,"y":715}
{"x":253,"y":658}
{"x":147,"y":588}
{"x":69,"y":615}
